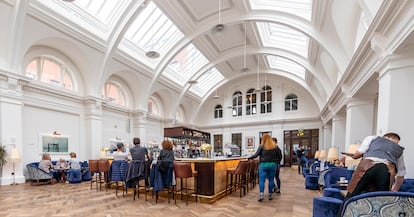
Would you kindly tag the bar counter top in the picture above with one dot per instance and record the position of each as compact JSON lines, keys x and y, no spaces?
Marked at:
{"x":212,"y":159}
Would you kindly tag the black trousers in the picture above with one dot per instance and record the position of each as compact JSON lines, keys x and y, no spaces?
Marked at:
{"x":376,"y":178}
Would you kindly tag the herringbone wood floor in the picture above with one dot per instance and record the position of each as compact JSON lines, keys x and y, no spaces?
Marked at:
{"x":60,"y":200}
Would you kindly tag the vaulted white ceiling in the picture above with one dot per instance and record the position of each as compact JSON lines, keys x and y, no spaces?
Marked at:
{"x":309,"y":42}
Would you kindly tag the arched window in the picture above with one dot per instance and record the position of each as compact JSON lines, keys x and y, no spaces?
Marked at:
{"x":218,"y":111}
{"x":153,"y":106}
{"x":237,"y":104}
{"x":114,"y":93}
{"x":50,"y":71}
{"x":251,"y":103}
{"x":291,"y":102}
{"x":266,"y":100}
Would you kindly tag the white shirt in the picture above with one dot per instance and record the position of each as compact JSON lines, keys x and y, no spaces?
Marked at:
{"x":400,"y":161}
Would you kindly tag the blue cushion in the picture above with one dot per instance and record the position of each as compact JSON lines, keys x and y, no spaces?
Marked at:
{"x":311,"y":182}
{"x":333,"y":192}
{"x":74,"y":176}
{"x":407,"y":185}
{"x":326,"y":206}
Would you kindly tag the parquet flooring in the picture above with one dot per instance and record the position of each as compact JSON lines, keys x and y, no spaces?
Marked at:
{"x":64,"y":200}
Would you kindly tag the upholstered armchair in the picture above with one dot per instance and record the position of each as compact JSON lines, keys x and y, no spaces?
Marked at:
{"x":380,"y":203}
{"x":37,"y":175}
{"x":407,"y":186}
{"x":334,"y":174}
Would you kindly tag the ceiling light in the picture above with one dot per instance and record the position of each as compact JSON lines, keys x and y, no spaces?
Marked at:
{"x":152,"y":54}
{"x":216,"y":96}
{"x":192,"y":82}
{"x":245,"y":69}
{"x":258,"y":70}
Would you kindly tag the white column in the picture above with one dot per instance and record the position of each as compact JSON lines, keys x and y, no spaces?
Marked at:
{"x":327,"y":136}
{"x":338,"y":131}
{"x":11,"y":111}
{"x":140,"y":126}
{"x":93,"y":129}
{"x":396,"y":107}
{"x":359,"y":120}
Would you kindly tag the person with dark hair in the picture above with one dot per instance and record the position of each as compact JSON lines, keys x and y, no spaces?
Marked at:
{"x":279,"y":159}
{"x":119,"y":154}
{"x":299,"y":156}
{"x":382,"y":167}
{"x":138,"y":152}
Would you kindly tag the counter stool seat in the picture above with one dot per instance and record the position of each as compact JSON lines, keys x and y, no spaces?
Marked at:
{"x":183,"y":172}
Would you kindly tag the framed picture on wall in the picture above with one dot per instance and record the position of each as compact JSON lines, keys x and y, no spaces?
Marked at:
{"x":54,"y":144}
{"x":250,"y":142}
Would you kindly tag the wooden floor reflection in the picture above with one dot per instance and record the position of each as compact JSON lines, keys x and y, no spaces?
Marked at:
{"x":79,"y":200}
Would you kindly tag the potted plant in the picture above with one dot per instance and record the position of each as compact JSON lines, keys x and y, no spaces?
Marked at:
{"x":2,"y":156}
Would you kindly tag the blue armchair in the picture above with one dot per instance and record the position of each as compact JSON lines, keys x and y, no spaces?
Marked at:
{"x":380,"y":203}
{"x":407,"y":186}
{"x":333,"y":175}
{"x":37,"y":175}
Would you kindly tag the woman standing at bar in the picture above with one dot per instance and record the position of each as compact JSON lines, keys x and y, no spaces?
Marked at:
{"x":267,"y":154}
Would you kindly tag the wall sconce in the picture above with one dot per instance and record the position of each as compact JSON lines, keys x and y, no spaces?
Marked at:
{"x":56,"y":133}
{"x":301,"y":132}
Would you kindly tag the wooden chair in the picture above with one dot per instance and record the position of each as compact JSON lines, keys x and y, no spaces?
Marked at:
{"x":183,"y":172}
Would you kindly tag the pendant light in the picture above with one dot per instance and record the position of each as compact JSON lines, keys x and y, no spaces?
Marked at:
{"x":216,"y":96}
{"x":245,"y":69}
{"x":152,"y":53}
{"x":219,"y":27}
{"x":258,"y":89}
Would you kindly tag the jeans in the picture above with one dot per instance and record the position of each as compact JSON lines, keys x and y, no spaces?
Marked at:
{"x":277,"y":178}
{"x":267,"y":172}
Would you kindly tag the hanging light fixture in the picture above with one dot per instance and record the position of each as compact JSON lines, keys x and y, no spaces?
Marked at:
{"x":216,"y":96}
{"x":245,"y":69}
{"x":258,"y":89}
{"x":219,"y":27}
{"x":152,"y":53}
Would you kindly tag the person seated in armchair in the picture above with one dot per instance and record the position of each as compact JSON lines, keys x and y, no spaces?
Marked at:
{"x":46,"y":165}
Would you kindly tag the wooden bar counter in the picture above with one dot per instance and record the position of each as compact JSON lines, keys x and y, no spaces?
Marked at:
{"x":211,"y":180}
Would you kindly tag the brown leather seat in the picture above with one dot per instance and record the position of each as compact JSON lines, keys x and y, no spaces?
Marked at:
{"x":93,"y":168}
{"x":254,"y":166}
{"x":237,"y":178}
{"x":183,"y":172}
{"x":103,"y":168}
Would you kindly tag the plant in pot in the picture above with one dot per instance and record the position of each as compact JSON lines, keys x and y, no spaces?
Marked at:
{"x":3,"y":155}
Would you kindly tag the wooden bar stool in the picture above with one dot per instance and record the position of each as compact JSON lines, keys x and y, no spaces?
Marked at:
{"x":103,"y":168}
{"x":183,"y":172}
{"x":237,"y":178}
{"x":93,"y":168}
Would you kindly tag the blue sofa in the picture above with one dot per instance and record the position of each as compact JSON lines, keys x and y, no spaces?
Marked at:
{"x":37,"y":175}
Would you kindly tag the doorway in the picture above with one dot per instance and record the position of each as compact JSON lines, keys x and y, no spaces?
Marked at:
{"x":308,"y":138}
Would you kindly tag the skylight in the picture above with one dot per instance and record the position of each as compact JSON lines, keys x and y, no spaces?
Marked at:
{"x":206,"y":82}
{"x":275,"y":35}
{"x":185,"y":64}
{"x":301,"y":8}
{"x":102,"y":9}
{"x":281,"y":63}
{"x":152,"y":30}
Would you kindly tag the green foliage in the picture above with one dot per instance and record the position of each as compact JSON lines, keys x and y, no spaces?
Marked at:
{"x":3,"y":155}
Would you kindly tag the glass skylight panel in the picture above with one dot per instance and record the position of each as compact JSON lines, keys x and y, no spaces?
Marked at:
{"x":281,"y":63}
{"x":102,"y":9}
{"x":187,"y":61}
{"x":275,"y":35}
{"x":153,"y":30}
{"x":206,"y":82}
{"x":301,"y":8}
